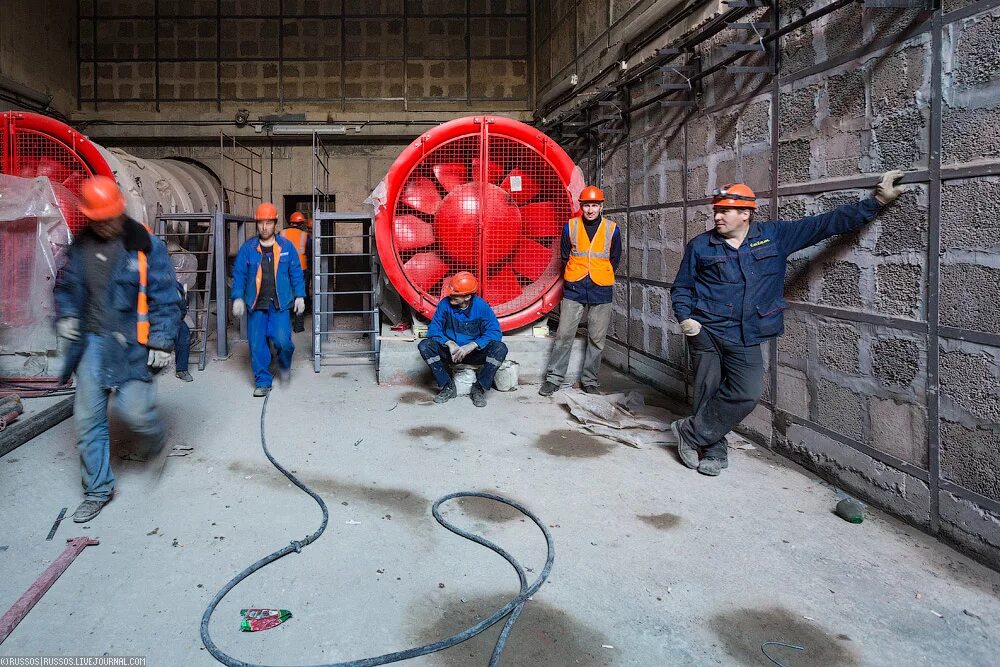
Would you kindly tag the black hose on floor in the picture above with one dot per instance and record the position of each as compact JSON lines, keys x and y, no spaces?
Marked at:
{"x":511,"y":610}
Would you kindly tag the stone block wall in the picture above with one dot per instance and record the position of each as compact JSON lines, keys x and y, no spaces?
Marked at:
{"x":887,"y":378}
{"x":302,"y":55}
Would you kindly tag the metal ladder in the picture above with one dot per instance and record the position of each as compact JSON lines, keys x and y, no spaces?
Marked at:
{"x":198,"y":238}
{"x":330,"y":247}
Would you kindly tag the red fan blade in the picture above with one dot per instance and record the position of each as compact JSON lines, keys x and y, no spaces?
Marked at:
{"x":541,"y":220}
{"x":521,"y":186}
{"x":425,"y":270}
{"x":451,"y":174}
{"x":494,"y":171}
{"x":421,"y":193}
{"x":501,"y":287}
{"x":410,"y":232}
{"x":531,"y":259}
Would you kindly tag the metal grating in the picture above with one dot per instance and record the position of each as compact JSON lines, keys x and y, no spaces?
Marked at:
{"x":36,"y":154}
{"x":488,"y":204}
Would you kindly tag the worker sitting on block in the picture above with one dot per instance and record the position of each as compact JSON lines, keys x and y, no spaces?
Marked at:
{"x":727,"y":297}
{"x":464,"y":329}
{"x":267,"y":275}
{"x":117,"y":310}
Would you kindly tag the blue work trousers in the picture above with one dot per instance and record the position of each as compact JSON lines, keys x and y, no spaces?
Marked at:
{"x":264,"y":327}
{"x":134,"y":402}
{"x":438,"y":357}
{"x":182,"y":348}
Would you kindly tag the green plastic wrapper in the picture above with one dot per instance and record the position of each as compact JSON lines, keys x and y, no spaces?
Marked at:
{"x":255,"y":620}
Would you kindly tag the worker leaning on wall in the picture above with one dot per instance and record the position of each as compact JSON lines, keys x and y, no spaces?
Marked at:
{"x":728,"y":298}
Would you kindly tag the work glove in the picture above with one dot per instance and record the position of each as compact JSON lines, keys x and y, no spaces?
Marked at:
{"x":239,"y":307}
{"x":887,"y":191}
{"x":453,"y":349}
{"x":690,"y":327}
{"x":158,"y":359}
{"x":463,"y":352}
{"x":68,"y":328}
{"x":299,"y":306}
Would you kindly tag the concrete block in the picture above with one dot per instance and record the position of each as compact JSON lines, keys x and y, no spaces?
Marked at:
{"x":445,"y":38}
{"x":899,"y":289}
{"x":903,"y":226}
{"x":754,"y":122}
{"x":899,"y":140}
{"x":699,"y":220}
{"x":899,"y":429}
{"x":896,"y":361}
{"x":798,"y":111}
{"x":791,"y":209}
{"x":838,"y":347}
{"x":793,"y":345}
{"x":973,"y":528}
{"x":896,"y":79}
{"x":697,"y":182}
{"x":677,"y":352}
{"x":969,"y":297}
{"x":758,"y":425}
{"x":970,"y":382}
{"x":858,"y":473}
{"x":793,"y":391}
{"x":970,"y":214}
{"x":500,"y":79}
{"x":846,"y":96}
{"x":841,"y":285}
{"x":971,"y":458}
{"x":975,"y":63}
{"x":794,"y":160}
{"x":842,"y":152}
{"x":725,"y":129}
{"x":842,"y":31}
{"x":970,"y":134}
{"x":840,"y":409}
{"x":797,"y":50}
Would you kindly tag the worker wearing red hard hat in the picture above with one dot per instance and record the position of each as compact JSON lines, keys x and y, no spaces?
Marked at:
{"x":267,"y":276}
{"x":728,"y":299}
{"x":591,"y":249}
{"x":118,"y":311}
{"x":297,"y":233}
{"x":464,"y":329}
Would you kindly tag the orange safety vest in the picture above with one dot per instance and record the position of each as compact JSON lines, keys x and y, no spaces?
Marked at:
{"x":142,"y":307}
{"x":590,"y":256}
{"x":298,"y":238}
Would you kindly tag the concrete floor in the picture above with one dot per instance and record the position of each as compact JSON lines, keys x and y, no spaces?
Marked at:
{"x":655,"y":564}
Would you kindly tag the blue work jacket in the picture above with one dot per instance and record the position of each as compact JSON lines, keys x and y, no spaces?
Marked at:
{"x":289,"y":283}
{"x":123,"y":357}
{"x":738,"y":294}
{"x":476,"y":324}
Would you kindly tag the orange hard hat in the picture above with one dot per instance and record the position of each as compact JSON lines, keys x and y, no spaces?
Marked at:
{"x":100,"y":198}
{"x":592,"y":193}
{"x":734,"y":195}
{"x":296,"y":218}
{"x":266,"y":211}
{"x":309,"y":223}
{"x":462,"y":283}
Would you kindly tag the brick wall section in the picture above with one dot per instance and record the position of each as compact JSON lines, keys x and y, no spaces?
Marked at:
{"x":853,"y":368}
{"x":318,"y":51}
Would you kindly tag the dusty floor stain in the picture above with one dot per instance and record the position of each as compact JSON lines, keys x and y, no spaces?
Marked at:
{"x":665,"y":521}
{"x":339,"y":374}
{"x":440,"y":432}
{"x":743,"y":631}
{"x":543,"y":634}
{"x":415,"y":397}
{"x":565,"y":442}
{"x":485,"y":509}
{"x":401,"y":501}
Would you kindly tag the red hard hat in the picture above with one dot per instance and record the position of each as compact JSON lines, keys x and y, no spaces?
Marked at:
{"x":462,"y":283}
{"x":100,"y":198}
{"x":734,"y":195}
{"x":592,"y":193}
{"x":296,"y":218}
{"x":266,"y":211}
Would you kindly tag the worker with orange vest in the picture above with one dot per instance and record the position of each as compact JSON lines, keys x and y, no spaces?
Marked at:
{"x":267,"y":280}
{"x":591,"y":248}
{"x":302,"y":241}
{"x":118,"y":311}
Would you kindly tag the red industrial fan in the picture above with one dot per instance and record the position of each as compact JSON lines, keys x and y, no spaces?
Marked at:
{"x":482,"y":194}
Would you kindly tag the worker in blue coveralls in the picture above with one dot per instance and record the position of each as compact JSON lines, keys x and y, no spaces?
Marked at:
{"x":117,"y":311}
{"x":727,"y":297}
{"x":464,"y":329}
{"x":276,"y":288}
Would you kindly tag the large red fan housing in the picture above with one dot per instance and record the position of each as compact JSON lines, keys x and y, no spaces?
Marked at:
{"x":482,"y":194}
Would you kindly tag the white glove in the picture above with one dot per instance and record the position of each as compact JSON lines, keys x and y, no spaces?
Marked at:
{"x":463,"y":352}
{"x":239,"y":307}
{"x":299,"y":306}
{"x":68,"y":328}
{"x":158,"y":359}
{"x":887,"y":191}
{"x":690,"y":327}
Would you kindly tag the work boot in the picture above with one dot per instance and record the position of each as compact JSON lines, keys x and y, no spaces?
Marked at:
{"x":260,"y":392}
{"x":712,"y":467}
{"x":547,"y":388}
{"x":447,"y":393}
{"x":478,"y":395}
{"x":685,"y":450}
{"x":184,"y":376}
{"x":591,"y":389}
{"x":88,"y":509}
